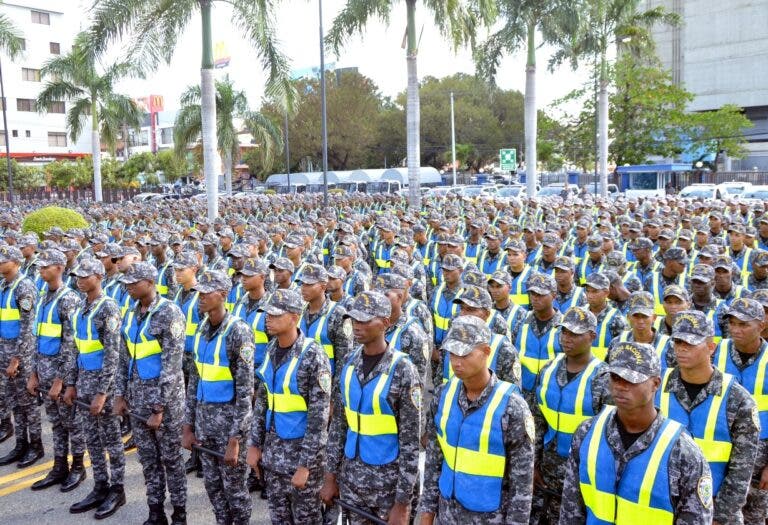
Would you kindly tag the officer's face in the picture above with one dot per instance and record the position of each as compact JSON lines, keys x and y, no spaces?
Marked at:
{"x":516,"y":259}
{"x":84,"y":284}
{"x":596,"y":298}
{"x":451,"y":276}
{"x":252,"y":282}
{"x":664,"y":243}
{"x":714,"y":223}
{"x":641,"y":322}
{"x":563,"y":277}
{"x":281,"y":324}
{"x":692,"y":357}
{"x":50,"y":273}
{"x":549,"y":252}
{"x":760,"y":272}
{"x":498,"y":291}
{"x":140,"y":289}
{"x":472,"y":364}
{"x":737,"y":240}
{"x":312,"y":292}
{"x":674,"y":305}
{"x":370,"y":331}
{"x":629,"y":396}
{"x":334,"y":286}
{"x":480,"y":313}
{"x":493,"y":244}
{"x":763,"y":228}
{"x":283,"y":277}
{"x":745,"y":334}
{"x":185,"y":276}
{"x":395,"y":298}
{"x":581,"y":232}
{"x":541,"y":302}
{"x":685,"y":244}
{"x":722,"y":278}
{"x":575,"y":344}
{"x":211,"y":301}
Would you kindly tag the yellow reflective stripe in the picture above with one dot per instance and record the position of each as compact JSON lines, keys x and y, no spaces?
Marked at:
{"x":760,"y":397}
{"x":559,"y":421}
{"x":49,"y":329}
{"x":532,"y":363}
{"x":192,"y":326}
{"x":88,"y":345}
{"x":602,"y":504}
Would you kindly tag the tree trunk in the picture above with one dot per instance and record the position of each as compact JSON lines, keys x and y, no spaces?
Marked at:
{"x":228,"y":161}
{"x":96,"y":152}
{"x":603,"y":138}
{"x":412,"y":113}
{"x":211,"y":162}
{"x":531,"y":113}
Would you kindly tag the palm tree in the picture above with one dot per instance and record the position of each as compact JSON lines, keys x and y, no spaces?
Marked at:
{"x":522,"y":20}
{"x":231,"y":105}
{"x":603,"y":24}
{"x":153,"y":29}
{"x":12,"y":43}
{"x":454,"y":19}
{"x":78,"y":77}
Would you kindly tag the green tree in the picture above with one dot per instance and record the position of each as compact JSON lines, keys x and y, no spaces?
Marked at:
{"x":136,"y":165}
{"x":25,"y":177}
{"x":172,"y":166}
{"x":153,"y":29}
{"x":231,"y":110}
{"x":65,"y":174}
{"x":11,"y":43}
{"x":719,"y":132}
{"x":452,"y":18}
{"x":78,"y":77}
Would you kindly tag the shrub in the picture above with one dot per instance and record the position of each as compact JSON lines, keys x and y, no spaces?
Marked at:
{"x":42,"y":220}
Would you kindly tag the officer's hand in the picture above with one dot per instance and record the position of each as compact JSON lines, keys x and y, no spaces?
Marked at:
{"x":32,"y":384}
{"x":329,"y":490}
{"x":154,"y":421}
{"x":13,"y":368}
{"x":55,"y":390}
{"x":435,"y":355}
{"x":69,"y":395}
{"x":231,"y":452}
{"x":427,"y":518}
{"x":97,"y":404}
{"x":188,"y":438}
{"x":300,"y":477}
{"x":252,"y":458}
{"x":121,"y":406}
{"x":764,"y":479}
{"x":538,"y":479}
{"x":399,"y":514}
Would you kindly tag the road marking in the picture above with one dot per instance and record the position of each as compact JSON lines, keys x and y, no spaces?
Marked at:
{"x":26,"y":472}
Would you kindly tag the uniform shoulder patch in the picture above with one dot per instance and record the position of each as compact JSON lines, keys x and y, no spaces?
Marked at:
{"x":113,"y":323}
{"x":530,"y":428}
{"x":26,"y":303}
{"x":756,"y":417}
{"x":347,"y":327}
{"x":324,"y":380}
{"x":177,"y":328}
{"x":704,"y":491}
{"x":416,"y":398}
{"x":246,"y":352}
{"x":517,"y":370}
{"x":425,"y":350}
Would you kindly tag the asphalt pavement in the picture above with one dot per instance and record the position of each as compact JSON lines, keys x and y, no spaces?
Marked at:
{"x":19,"y":505}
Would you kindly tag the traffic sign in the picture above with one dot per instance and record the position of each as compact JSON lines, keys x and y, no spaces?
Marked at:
{"x":508,"y":159}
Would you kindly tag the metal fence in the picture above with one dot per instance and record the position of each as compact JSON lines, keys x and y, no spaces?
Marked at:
{"x":680,"y":179}
{"x":79,"y":195}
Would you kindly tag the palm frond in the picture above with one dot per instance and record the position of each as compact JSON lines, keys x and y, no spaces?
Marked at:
{"x":353,"y":19}
{"x":187,"y":128}
{"x":77,"y":116}
{"x":268,"y":137}
{"x":11,"y":39}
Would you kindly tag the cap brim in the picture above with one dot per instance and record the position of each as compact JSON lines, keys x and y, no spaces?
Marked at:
{"x":562,"y":267}
{"x":740,"y":316}
{"x":576,"y":329}
{"x":691,"y":339}
{"x":81,"y":273}
{"x":457,"y":348}
{"x":540,"y":291}
{"x":499,"y":281}
{"x":360,"y":317}
{"x":203,"y":288}
{"x":450,"y":268}
{"x":648,"y":312}
{"x":273,"y":310}
{"x":626,"y":374}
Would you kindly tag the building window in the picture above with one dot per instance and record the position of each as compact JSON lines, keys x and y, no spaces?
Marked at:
{"x":38,"y":17}
{"x":30,"y":75}
{"x":56,"y":107}
{"x":25,"y":104}
{"x":15,"y":133}
{"x":57,"y":139}
{"x":55,"y":48}
{"x":28,"y":134}
{"x":166,"y":136}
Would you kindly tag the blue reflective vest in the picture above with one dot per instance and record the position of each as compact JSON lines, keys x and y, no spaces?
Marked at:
{"x":535,"y":353}
{"x":258,"y":322}
{"x":48,"y":324}
{"x":563,"y":307}
{"x":90,"y":349}
{"x":191,"y":317}
{"x":474,"y":456}
{"x":318,"y":331}
{"x":442,"y":313}
{"x":143,"y":348}
{"x":371,"y":423}
{"x":216,"y":384}
{"x":753,"y":377}
{"x":10,"y":315}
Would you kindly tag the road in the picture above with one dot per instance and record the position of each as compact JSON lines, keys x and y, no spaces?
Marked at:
{"x":21,"y":506}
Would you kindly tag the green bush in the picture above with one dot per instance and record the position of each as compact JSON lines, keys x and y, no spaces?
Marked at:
{"x":42,"y":220}
{"x":270,"y":192}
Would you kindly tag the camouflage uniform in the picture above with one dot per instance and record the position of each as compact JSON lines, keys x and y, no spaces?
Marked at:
{"x":216,"y":423}
{"x":159,"y":450}
{"x":282,"y":456}
{"x":377,"y":487}
{"x":339,"y":336}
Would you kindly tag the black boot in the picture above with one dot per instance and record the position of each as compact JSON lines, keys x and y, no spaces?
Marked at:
{"x":94,"y":499}
{"x":114,"y":501}
{"x":156,"y":515}
{"x":6,"y":429}
{"x":76,"y":474}
{"x":17,"y":453}
{"x":57,"y":475}
{"x":179,"y":516}
{"x":34,"y":453}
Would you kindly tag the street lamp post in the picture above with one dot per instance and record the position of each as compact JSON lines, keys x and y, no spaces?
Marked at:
{"x":453,"y":141}
{"x":7,"y":139}
{"x":323,"y":108}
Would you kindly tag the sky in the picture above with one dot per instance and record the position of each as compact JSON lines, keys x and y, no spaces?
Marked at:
{"x":378,"y":55}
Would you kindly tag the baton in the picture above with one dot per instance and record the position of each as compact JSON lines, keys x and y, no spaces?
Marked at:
{"x":360,"y":512}
{"x":205,"y":450}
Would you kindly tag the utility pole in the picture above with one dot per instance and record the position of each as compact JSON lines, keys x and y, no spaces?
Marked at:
{"x":453,"y":141}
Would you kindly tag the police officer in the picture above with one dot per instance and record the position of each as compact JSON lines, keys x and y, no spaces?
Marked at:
{"x":55,"y":349}
{"x":150,"y":382}
{"x":642,"y":322}
{"x":610,"y":322}
{"x":758,"y":277}
{"x":17,"y":347}
{"x":499,"y":284}
{"x":568,"y":294}
{"x":717,"y":411}
{"x":289,"y":431}
{"x":630,"y":462}
{"x":91,"y":379}
{"x":480,"y":433}
{"x":574,"y":387}
{"x":373,"y":443}
{"x":217,"y":414}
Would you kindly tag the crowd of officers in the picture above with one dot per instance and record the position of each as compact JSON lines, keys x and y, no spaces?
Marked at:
{"x":553,"y":362}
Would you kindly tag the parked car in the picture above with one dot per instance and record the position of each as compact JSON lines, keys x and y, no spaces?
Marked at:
{"x":732,"y":189}
{"x":758,"y":193}
{"x":556,"y":189}
{"x":699,"y":191}
{"x":141,"y":197}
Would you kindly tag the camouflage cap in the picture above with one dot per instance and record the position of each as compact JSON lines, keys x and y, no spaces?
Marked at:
{"x":615,"y":259}
{"x":493,"y":232}
{"x":761,"y":296}
{"x":745,"y":310}
{"x":175,"y":239}
{"x":551,"y":240}
{"x":634,"y":362}
{"x":584,"y":223}
{"x":612,"y":276}
{"x":693,"y":327}
{"x":29,"y":239}
{"x":641,"y":303}
{"x":11,"y":234}
{"x":641,"y":243}
{"x":466,"y":333}
{"x":563,"y":262}
{"x":542,"y":284}
{"x":158,"y":238}
{"x":185,"y":260}
{"x":254,"y":266}
{"x":74,"y":232}
{"x":736,"y":227}
{"x":55,"y":230}
{"x":390,"y":281}
{"x":452,"y":262}
{"x":10,"y":253}
{"x":336,"y":272}
{"x":110,"y":249}
{"x":140,"y":271}
{"x":51,"y":258}
{"x":760,"y":258}
{"x":70,"y":245}
{"x":87,"y":267}
{"x":283,"y":301}
{"x":674,"y":290}
{"x":685,"y":235}
{"x":598,"y":281}
{"x":213,"y":281}
{"x":595,"y":244}
{"x":474,"y":277}
{"x":210,"y":239}
{"x":675,"y":254}
{"x":313,"y":274}
{"x":283,"y":263}
{"x":723,"y":262}
{"x":129,"y":250}
{"x":294,"y":240}
{"x":238,"y":251}
{"x":702,"y":272}
{"x":402,"y":270}
{"x":341,"y":251}
{"x":516,"y":245}
{"x":227,"y":232}
{"x":635,"y":226}
{"x":579,"y":320}
{"x":666,"y":233}
{"x":763,"y":218}
{"x":475,"y":297}
{"x":369,"y":305}
{"x":501,"y":277}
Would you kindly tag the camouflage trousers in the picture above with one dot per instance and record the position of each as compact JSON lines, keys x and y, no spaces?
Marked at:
{"x":187,"y":364}
{"x":376,"y":496}
{"x":14,"y":395}
{"x":755,"y":510}
{"x":291,"y":506}
{"x":102,"y":436}
{"x":161,"y":461}
{"x":227,"y":487}
{"x":67,"y":436}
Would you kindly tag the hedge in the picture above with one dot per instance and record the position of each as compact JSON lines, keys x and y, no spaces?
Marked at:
{"x":42,"y":220}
